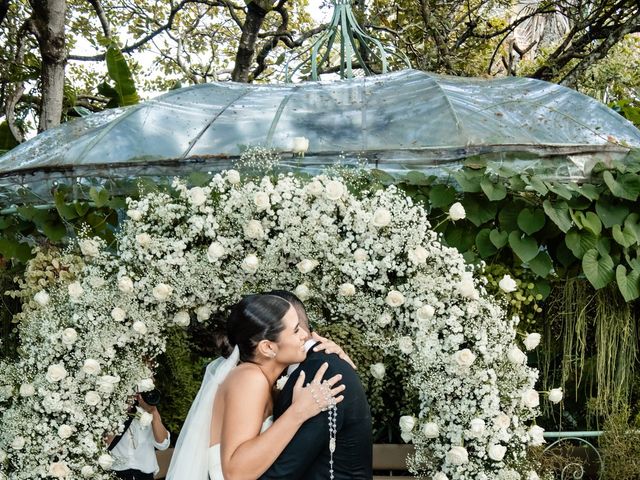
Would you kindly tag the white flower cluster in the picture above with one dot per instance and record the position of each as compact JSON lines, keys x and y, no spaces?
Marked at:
{"x":371,"y":258}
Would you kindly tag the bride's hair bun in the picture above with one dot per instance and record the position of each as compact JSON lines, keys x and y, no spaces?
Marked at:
{"x":221,"y":343}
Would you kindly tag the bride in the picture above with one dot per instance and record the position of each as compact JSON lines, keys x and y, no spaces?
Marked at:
{"x":229,"y":433}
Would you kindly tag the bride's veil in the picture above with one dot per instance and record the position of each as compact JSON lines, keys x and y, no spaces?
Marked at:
{"x":190,"y":457}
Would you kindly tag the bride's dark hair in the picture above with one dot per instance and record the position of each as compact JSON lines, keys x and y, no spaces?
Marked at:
{"x":253,"y":319}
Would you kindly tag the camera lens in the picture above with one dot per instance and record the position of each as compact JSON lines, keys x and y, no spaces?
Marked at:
{"x":152,"y":397}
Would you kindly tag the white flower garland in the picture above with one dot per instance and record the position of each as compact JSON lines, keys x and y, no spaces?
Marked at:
{"x":370,"y":258}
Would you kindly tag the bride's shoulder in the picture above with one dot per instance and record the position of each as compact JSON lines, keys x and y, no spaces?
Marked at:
{"x":246,"y":377}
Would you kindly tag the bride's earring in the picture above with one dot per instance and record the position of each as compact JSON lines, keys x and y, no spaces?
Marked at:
{"x":272,"y":354}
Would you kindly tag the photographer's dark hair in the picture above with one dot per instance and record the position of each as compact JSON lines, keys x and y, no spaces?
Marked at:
{"x":296,"y":303}
{"x":253,"y":319}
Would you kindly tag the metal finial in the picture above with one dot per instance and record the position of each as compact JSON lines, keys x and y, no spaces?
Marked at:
{"x":354,"y":42}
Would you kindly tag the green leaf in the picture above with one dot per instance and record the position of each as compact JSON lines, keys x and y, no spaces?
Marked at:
{"x":469,"y":180}
{"x":65,"y":210}
{"x":587,"y":190}
{"x":629,"y":285}
{"x":559,"y":190}
{"x":99,"y":196}
{"x":442,"y":196}
{"x":542,"y":264}
{"x":543,"y":287}
{"x":478,"y":210}
{"x":199,"y":179}
{"x":625,"y":237}
{"x":81,"y":208}
{"x":120,"y":73}
{"x":55,"y":231}
{"x":625,"y":186}
{"x":531,"y":221}
{"x":564,"y":255}
{"x":611,"y":214}
{"x":508,"y":216}
{"x":498,"y":238}
{"x":483,"y":243}
{"x":7,"y":140}
{"x":597,"y":268}
{"x":632,"y":224}
{"x":516,"y":183}
{"x":579,"y":242}
{"x":591,"y":222}
{"x":494,"y":191}
{"x":459,"y":236}
{"x":382,"y":176}
{"x":559,"y":214}
{"x":537,"y":184}
{"x":526,"y":248}
{"x":415,"y":177}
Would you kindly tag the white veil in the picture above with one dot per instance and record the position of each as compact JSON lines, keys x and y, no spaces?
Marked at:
{"x":190,"y":457}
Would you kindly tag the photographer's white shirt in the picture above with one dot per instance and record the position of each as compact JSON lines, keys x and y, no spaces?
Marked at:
{"x":136,"y":449}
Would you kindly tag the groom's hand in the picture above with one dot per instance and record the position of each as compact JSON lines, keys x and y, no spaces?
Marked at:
{"x":329,"y":346}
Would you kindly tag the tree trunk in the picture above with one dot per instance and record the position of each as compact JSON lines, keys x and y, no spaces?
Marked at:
{"x":49,"y":20}
{"x":246,"y":50}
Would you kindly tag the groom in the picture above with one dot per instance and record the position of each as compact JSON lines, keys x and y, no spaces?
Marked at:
{"x":307,"y":455}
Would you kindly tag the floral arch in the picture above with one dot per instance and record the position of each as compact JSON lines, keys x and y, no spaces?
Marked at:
{"x":184,"y":255}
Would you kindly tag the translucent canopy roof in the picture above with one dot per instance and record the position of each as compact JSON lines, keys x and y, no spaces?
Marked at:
{"x":399,"y":121}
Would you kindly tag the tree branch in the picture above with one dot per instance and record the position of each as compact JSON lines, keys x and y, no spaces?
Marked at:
{"x":102,"y":17}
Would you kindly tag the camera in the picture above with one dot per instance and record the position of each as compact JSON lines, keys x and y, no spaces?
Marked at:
{"x":151,"y":397}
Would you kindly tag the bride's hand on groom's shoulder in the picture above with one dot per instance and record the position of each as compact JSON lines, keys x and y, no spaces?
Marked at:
{"x":329,"y":346}
{"x":317,"y":395}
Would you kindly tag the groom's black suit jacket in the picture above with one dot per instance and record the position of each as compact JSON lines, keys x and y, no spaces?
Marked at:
{"x":307,"y":455}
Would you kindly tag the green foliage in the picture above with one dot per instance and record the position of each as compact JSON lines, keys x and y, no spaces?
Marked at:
{"x":620,"y":446}
{"x":123,"y":91}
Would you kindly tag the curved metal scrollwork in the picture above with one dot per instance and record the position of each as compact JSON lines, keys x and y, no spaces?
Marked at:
{"x":575,"y":470}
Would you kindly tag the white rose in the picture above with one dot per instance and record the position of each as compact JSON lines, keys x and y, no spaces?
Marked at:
{"x":75,"y":290}
{"x":347,"y":290}
{"x":91,"y":366}
{"x":134,"y":215}
{"x":302,"y":292}
{"x":162,"y":291}
{"x":555,"y":395}
{"x":502,"y":421}
{"x":250,"y":263}
{"x":315,"y":188}
{"x":92,"y":398}
{"x":464,"y":357}
{"x":536,"y":436}
{"x":55,"y":373}
{"x":118,"y":314}
{"x":496,"y":452}
{"x":89,"y":248}
{"x":18,"y":443}
{"x":418,"y":255}
{"x":107,"y":383}
{"x":531,"y":398}
{"x":69,"y":336}
{"x":384,"y":319}
{"x":125,"y":284}
{"x":146,"y":385}
{"x":105,"y":461}
{"x":507,"y":284}
{"x":425,"y":313}
{"x":477,"y":427}
{"x":456,"y":212}
{"x":431,"y":430}
{"x":3,"y":456}
{"x":59,"y":470}
{"x":532,"y":340}
{"x":233,"y":177}
{"x":516,"y":356}
{"x":532,"y":475}
{"x":182,"y":318}
{"x":65,"y":431}
{"x":203,"y":313}
{"x":440,"y":476}
{"x":143,"y":239}
{"x":334,"y":190}
{"x":197,"y":196}
{"x":87,"y":471}
{"x":360,"y":255}
{"x":381,"y":218}
{"x":406,"y":436}
{"x":42,"y":298}
{"x":261,"y":201}
{"x":300,"y":145}
{"x":394,"y":298}
{"x":145,"y":418}
{"x":405,"y":344}
{"x":306,"y":265}
{"x":457,"y":456}
{"x":27,"y":390}
{"x":467,"y":288}
{"x":139,"y":327}
{"x":407,"y":422}
{"x":215,"y":251}
{"x":96,"y":282}
{"x":253,"y":230}
{"x":377,"y":371}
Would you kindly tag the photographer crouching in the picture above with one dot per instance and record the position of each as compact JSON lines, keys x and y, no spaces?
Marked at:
{"x":134,"y":450}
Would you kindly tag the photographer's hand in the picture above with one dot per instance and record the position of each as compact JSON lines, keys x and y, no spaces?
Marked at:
{"x":160,"y":433}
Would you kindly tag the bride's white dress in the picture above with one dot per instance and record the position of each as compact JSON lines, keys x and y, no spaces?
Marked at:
{"x":215,"y":463}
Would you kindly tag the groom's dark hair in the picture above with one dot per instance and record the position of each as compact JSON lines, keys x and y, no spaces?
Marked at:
{"x":295,"y":303}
